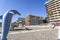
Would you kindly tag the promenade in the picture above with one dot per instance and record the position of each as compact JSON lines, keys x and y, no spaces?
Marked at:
{"x":37,"y":33}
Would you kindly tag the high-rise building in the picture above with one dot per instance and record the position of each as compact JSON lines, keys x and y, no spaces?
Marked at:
{"x":53,"y":11}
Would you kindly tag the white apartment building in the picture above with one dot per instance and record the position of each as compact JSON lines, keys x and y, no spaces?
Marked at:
{"x":53,"y":11}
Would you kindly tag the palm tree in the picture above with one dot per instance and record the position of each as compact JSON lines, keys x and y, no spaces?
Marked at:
{"x":50,"y":13}
{"x":14,"y":24}
{"x":41,"y":19}
{"x":23,"y":22}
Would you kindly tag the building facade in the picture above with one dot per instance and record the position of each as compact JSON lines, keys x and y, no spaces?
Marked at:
{"x":33,"y":20}
{"x":53,"y":11}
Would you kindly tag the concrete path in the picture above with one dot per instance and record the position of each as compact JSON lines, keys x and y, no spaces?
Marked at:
{"x":44,"y":34}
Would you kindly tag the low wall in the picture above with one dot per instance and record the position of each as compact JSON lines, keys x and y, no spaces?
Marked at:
{"x":38,"y":35}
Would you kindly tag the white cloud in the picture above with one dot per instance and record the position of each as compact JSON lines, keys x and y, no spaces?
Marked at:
{"x":48,"y":1}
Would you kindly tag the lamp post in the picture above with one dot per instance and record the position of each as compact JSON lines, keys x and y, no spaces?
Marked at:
{"x":7,"y":17}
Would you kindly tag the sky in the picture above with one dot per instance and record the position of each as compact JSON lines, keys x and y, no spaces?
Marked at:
{"x":24,"y":7}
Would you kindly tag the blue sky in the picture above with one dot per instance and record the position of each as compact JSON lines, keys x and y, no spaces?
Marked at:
{"x":34,"y":7}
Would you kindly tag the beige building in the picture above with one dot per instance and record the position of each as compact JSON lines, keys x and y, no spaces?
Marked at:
{"x":33,"y":20}
{"x":53,"y":11}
